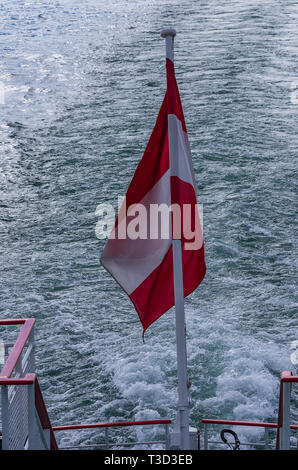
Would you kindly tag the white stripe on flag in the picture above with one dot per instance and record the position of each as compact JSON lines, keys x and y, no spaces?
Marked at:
{"x":132,"y":261}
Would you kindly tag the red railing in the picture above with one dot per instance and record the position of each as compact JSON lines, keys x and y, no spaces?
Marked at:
{"x":6,"y":379}
{"x":31,"y":379}
{"x":286,"y":377}
{"x":17,"y":349}
{"x":110,"y":425}
{"x":106,"y":426}
{"x":245,"y":423}
{"x":28,"y":379}
{"x":43,"y":415}
{"x":230,"y":422}
{"x":239,"y":423}
{"x":265,"y":425}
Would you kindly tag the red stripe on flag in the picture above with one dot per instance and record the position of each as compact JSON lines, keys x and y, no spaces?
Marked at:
{"x":175,"y":106}
{"x":155,"y":161}
{"x":183,"y":194}
{"x":156,"y":294}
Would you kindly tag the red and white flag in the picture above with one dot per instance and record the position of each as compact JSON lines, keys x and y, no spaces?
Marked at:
{"x":138,"y":253}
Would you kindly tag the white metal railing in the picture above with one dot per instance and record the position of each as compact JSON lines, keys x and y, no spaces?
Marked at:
{"x":111,"y":444}
{"x":285,"y":429}
{"x":266,"y":426}
{"x":283,"y":426}
{"x":283,"y":434}
{"x":15,"y":398}
{"x":25,"y":423}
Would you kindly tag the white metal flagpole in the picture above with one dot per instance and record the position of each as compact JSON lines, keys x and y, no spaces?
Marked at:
{"x":181,"y":436}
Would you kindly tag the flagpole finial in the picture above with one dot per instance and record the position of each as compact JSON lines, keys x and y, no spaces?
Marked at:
{"x":168,"y":32}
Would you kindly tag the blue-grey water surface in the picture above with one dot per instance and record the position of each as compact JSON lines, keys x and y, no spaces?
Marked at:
{"x":83,"y":82}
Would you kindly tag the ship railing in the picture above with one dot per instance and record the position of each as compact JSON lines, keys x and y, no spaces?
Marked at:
{"x":283,"y":433}
{"x":283,"y":427}
{"x":108,"y":444}
{"x":19,"y":356}
{"x":266,"y":426}
{"x":25,"y":421}
{"x":26,"y":424}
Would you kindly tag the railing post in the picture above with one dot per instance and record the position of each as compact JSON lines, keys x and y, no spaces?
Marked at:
{"x":47,"y":437}
{"x":205,"y":436}
{"x":167,"y":436}
{"x":5,"y":417}
{"x":266,"y":438}
{"x":193,"y":437}
{"x":19,"y":369}
{"x":32,"y":440}
{"x":285,"y":430}
{"x":6,"y":351}
{"x":32,"y":343}
{"x":107,"y":438}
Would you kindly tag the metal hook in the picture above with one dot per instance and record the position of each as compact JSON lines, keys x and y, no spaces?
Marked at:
{"x":229,"y":431}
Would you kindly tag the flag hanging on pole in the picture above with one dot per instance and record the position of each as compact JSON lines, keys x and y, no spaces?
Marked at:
{"x":160,"y":205}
